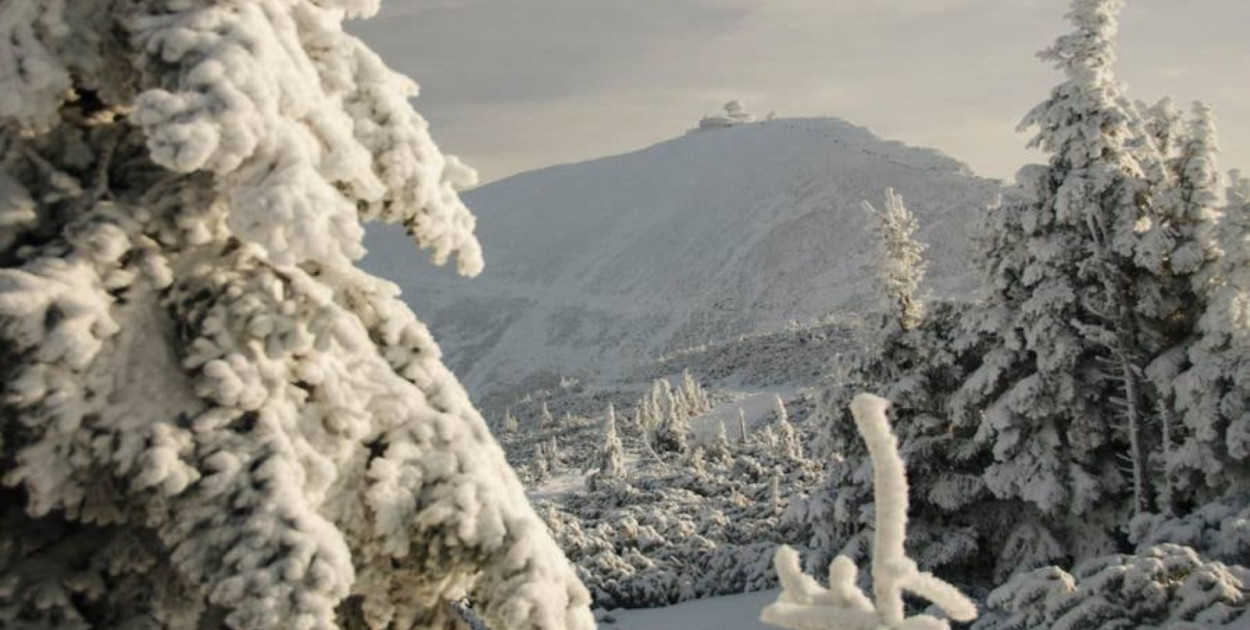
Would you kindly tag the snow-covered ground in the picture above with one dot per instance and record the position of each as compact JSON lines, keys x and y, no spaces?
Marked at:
{"x":757,"y":409}
{"x":732,"y":612}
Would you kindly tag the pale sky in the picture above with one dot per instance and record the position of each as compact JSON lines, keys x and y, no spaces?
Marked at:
{"x":513,"y":85}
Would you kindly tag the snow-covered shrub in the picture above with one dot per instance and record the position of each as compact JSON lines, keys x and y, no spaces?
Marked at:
{"x":1219,"y":530}
{"x":683,"y":527}
{"x":1167,"y":587}
{"x":805,"y":605}
{"x":210,"y":417}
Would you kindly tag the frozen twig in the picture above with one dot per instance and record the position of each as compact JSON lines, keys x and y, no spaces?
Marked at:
{"x":805,"y":605}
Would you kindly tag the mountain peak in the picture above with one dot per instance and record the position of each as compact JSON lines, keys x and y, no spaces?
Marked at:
{"x":717,"y":233}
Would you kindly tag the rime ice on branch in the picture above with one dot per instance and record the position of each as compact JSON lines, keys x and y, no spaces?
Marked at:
{"x":805,"y":605}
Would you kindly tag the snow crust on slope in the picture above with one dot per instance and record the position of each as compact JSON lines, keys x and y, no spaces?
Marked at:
{"x":595,"y":266}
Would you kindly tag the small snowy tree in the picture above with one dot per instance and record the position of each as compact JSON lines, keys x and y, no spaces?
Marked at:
{"x":720,"y":442}
{"x":693,"y":395}
{"x":1181,"y":252}
{"x":1211,"y":450}
{"x":901,"y":264}
{"x":742,"y":426}
{"x":775,"y":503}
{"x":805,"y":605}
{"x":554,"y":457}
{"x":210,"y":417}
{"x":611,"y":454}
{"x":510,"y":425}
{"x":672,"y":433}
{"x":540,"y":466}
{"x":787,"y":438}
{"x":545,"y":419}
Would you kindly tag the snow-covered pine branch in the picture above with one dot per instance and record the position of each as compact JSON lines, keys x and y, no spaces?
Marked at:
{"x":805,"y":605}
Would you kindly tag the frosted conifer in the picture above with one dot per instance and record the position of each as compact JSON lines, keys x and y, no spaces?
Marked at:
{"x":775,"y":504}
{"x":211,"y":417}
{"x":1212,"y":446}
{"x":1071,"y":304}
{"x":611,"y":454}
{"x":554,"y":457}
{"x":672,"y":434}
{"x":902,"y":265}
{"x":693,"y":395}
{"x":720,"y":442}
{"x":1164,"y":125}
{"x":787,"y":438}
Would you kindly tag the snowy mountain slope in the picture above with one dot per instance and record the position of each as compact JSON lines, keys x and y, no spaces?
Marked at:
{"x":594,"y":267}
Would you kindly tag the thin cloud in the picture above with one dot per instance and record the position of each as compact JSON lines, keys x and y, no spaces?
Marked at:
{"x":513,"y":86}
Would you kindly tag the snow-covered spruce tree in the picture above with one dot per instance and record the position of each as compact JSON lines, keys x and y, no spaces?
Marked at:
{"x":1078,"y":302}
{"x":901,"y":263}
{"x":804,"y":605}
{"x":720,"y":448}
{"x":672,"y":431}
{"x":210,"y":417}
{"x":693,"y":395}
{"x":1181,"y":251}
{"x":545,"y":419}
{"x":775,"y":503}
{"x":652,"y":406}
{"x":1163,"y":123}
{"x":1210,"y":450}
{"x":956,"y":524}
{"x":918,"y":363}
{"x":555,"y":458}
{"x":510,"y":424}
{"x":787,"y":438}
{"x":611,"y":454}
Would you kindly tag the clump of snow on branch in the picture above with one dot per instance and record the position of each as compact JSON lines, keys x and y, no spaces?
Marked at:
{"x":302,"y":142}
{"x":805,"y":605}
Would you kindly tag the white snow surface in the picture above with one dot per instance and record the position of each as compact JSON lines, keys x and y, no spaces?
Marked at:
{"x":732,"y":612}
{"x":593,"y":267}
